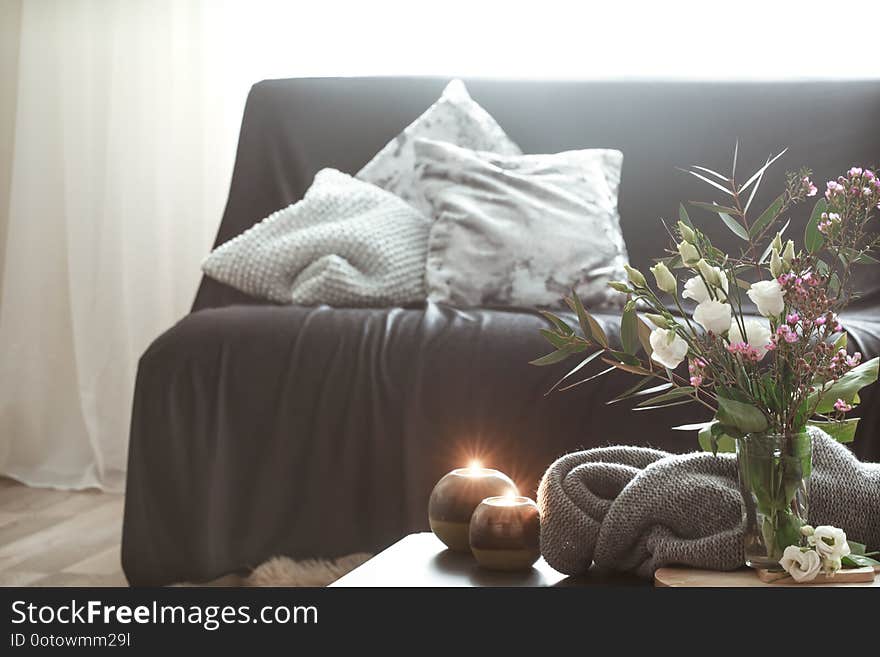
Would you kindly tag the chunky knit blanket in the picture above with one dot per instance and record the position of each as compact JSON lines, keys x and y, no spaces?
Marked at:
{"x":637,"y":509}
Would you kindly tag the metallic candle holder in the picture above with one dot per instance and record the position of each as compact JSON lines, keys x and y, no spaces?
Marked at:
{"x":505,"y":533}
{"x":455,"y":497}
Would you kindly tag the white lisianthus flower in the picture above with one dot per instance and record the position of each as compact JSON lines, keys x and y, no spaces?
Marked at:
{"x":830,"y":542}
{"x":803,"y":566}
{"x":713,"y":316}
{"x":767,"y":295}
{"x":757,"y":335}
{"x":668,"y":348}
{"x":695,"y":288}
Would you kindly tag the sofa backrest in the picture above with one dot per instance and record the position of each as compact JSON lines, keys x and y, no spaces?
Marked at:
{"x":293,"y":128}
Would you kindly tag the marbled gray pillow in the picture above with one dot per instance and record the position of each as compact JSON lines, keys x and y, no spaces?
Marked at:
{"x":521,"y":230}
{"x":346,"y":243}
{"x":454,"y":118}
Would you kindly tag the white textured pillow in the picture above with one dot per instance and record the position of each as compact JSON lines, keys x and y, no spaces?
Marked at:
{"x":454,"y":118}
{"x":346,"y":243}
{"x":521,"y":230}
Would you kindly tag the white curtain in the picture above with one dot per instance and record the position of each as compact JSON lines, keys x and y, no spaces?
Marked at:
{"x":123,"y":148}
{"x":126,"y":119}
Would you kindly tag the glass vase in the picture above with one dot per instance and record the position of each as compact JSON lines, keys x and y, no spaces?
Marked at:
{"x":774,"y":477}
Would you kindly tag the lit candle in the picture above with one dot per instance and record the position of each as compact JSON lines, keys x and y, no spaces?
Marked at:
{"x":505,"y":533}
{"x":455,"y":497}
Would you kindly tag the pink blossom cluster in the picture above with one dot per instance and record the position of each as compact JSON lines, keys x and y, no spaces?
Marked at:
{"x":830,"y":220}
{"x":697,"y":370}
{"x":787,"y":333}
{"x":747,"y":351}
{"x":808,"y":187}
{"x":858,"y":183}
{"x":842,"y":407}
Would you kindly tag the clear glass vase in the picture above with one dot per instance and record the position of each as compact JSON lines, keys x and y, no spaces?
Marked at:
{"x":774,"y":477}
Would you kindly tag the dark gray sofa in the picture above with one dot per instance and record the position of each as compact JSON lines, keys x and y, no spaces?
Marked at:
{"x":261,"y":430}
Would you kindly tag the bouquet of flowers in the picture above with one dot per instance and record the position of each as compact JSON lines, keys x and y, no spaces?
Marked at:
{"x":766,"y":372}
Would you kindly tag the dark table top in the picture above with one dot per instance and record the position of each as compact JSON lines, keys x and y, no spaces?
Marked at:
{"x":421,"y":560}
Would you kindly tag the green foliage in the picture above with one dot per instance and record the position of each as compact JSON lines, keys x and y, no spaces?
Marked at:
{"x":629,"y":329}
{"x":740,"y":415}
{"x":813,"y":238}
{"x":843,"y":431}
{"x":845,"y":387}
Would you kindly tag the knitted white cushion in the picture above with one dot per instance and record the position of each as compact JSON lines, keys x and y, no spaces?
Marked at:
{"x":454,"y":118}
{"x":346,"y":243}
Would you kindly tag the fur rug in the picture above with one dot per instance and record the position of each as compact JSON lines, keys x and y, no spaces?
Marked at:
{"x":287,"y":572}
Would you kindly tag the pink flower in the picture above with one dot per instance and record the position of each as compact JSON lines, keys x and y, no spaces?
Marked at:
{"x":820,"y":321}
{"x":793,"y":318}
{"x":841,"y":406}
{"x":833,"y":188}
{"x":824,"y":226}
{"x":747,"y":351}
{"x":808,"y":186}
{"x":869,"y":174}
{"x":866,"y":191}
{"x":787,"y":334}
{"x":855,"y":171}
{"x":696,"y":381}
{"x":838,"y":327}
{"x":854,"y":360}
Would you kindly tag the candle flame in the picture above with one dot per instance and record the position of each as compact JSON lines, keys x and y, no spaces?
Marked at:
{"x":474,"y":466}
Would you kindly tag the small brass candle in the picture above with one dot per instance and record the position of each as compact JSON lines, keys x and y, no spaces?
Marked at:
{"x":455,"y":497}
{"x":505,"y":533}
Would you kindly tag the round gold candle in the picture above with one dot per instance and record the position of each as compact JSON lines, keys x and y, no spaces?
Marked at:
{"x":455,"y":497}
{"x":505,"y":533}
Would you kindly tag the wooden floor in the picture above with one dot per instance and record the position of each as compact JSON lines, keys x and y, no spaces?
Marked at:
{"x":59,"y":538}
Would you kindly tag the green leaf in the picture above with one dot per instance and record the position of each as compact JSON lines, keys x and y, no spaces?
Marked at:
{"x":767,"y":216}
{"x":551,"y":358}
{"x":696,"y":426}
{"x":589,"y":378}
{"x":843,"y":431}
{"x":644,"y":332}
{"x":715,"y":441}
{"x":846,"y":387}
{"x":740,"y":415}
{"x":713,"y":207}
{"x":589,"y":325}
{"x":734,"y":226}
{"x":813,"y":239}
{"x":558,"y":341}
{"x":707,"y":180}
{"x":858,"y":561}
{"x":760,"y":172}
{"x":576,"y":368}
{"x":629,"y":329}
{"x":676,"y":403}
{"x":558,"y":322}
{"x":857,"y":257}
{"x":634,"y":391}
{"x":857,"y":548}
{"x":683,"y":216}
{"x":675,"y":393}
{"x":623,"y":357}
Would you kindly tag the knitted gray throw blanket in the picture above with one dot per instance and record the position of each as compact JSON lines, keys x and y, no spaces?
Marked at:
{"x":637,"y":509}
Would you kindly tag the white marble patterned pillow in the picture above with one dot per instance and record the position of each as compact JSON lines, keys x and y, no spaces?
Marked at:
{"x":346,"y":243}
{"x":521,"y":230}
{"x":455,"y":118}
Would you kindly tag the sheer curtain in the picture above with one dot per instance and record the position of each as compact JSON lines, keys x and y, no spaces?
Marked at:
{"x":126,"y":119}
{"x":123,"y":150}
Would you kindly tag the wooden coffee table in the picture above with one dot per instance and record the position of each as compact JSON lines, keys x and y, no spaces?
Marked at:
{"x":421,"y":560}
